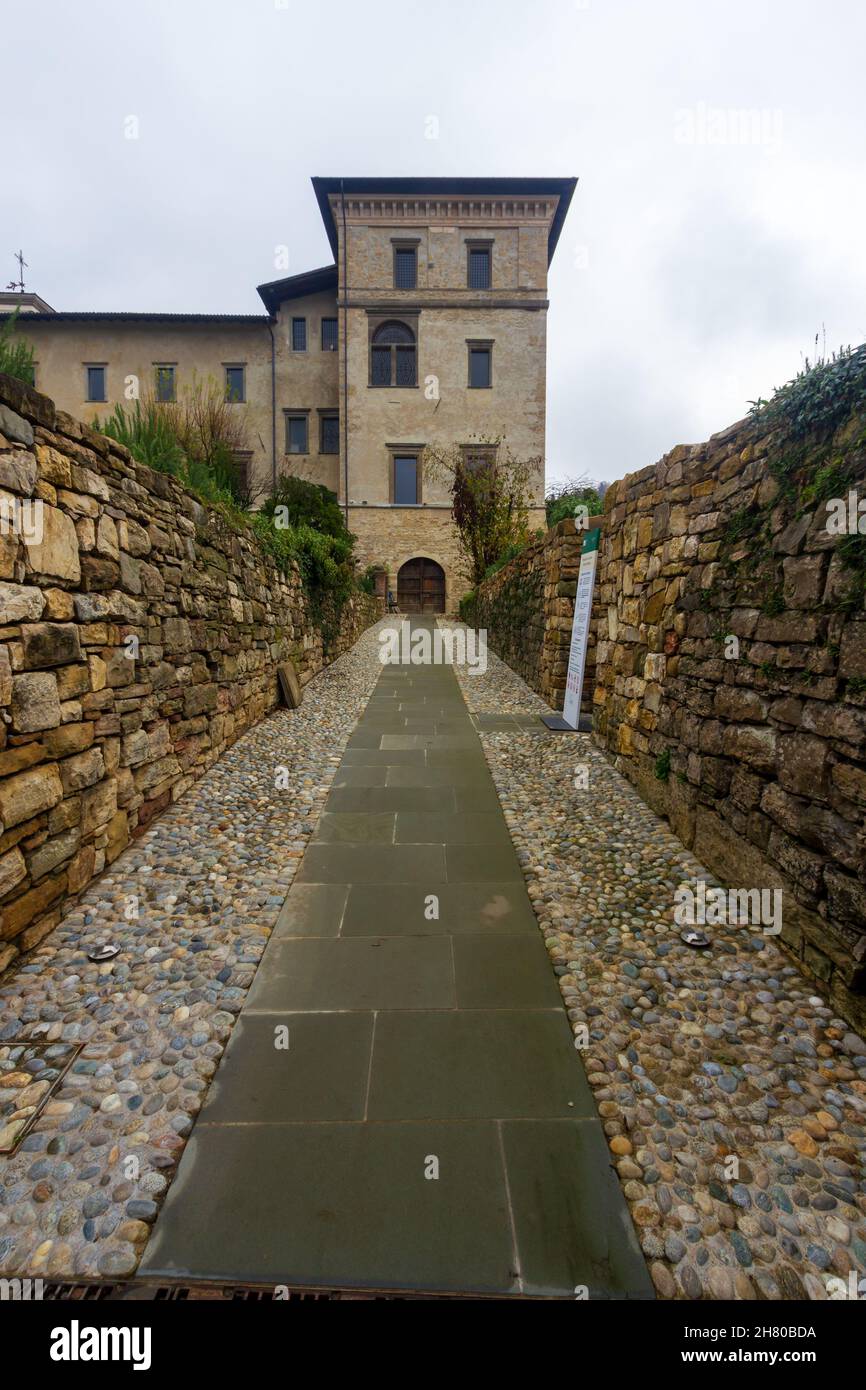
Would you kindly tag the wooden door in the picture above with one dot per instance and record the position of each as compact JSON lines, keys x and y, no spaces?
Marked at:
{"x":421,"y":587}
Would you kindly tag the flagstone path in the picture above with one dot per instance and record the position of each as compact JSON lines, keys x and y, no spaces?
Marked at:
{"x":400,"y":1106}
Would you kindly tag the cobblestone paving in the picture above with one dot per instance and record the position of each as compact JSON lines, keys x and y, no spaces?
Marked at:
{"x":693,"y":1056}
{"x":207,"y":881}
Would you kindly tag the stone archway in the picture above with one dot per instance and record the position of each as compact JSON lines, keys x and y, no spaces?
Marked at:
{"x":421,"y":586}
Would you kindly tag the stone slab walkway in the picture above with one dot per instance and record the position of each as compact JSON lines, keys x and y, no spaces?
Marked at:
{"x":207,"y":879}
{"x":400,"y":1105}
{"x":732,"y":1096}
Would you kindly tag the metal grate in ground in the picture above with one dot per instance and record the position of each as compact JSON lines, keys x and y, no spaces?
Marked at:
{"x":92,"y":1291}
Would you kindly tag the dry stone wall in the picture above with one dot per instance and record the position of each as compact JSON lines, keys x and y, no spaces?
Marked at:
{"x":527,"y":610}
{"x":727,"y":667}
{"x":731,"y":673}
{"x":138,"y":639}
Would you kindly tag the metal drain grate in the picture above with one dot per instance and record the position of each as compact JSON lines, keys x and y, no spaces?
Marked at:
{"x":18,"y":1110}
{"x":93,"y":1291}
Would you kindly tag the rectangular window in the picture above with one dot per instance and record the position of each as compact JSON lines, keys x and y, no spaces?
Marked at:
{"x":235,"y":384}
{"x":329,"y":335}
{"x":296,"y":434}
{"x":479,"y":267}
{"x":166,"y":387}
{"x":406,"y":479}
{"x":299,"y":335}
{"x":477,"y":462}
{"x":329,"y":434}
{"x":479,"y":367}
{"x":96,"y":384}
{"x":405,"y":268}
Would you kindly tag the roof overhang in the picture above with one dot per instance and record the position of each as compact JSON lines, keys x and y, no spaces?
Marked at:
{"x":121,"y":316}
{"x":562,"y":189}
{"x":296,"y":286}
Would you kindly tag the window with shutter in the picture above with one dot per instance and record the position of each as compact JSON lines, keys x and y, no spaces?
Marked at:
{"x":393,"y":357}
{"x":381,"y":366}
{"x":405,"y":267}
{"x":329,"y":442}
{"x":96,"y":384}
{"x":405,"y":366}
{"x":479,"y":268}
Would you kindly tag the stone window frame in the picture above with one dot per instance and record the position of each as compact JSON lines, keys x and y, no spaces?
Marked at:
{"x":408,"y":318}
{"x":415,"y":451}
{"x":404,"y":243}
{"x":100,"y":367}
{"x":236,"y":367}
{"x":296,"y":319}
{"x":478,"y":345}
{"x":488,"y":451}
{"x":165,"y":367}
{"x":244,"y":460}
{"x":479,"y":244}
{"x":296,"y":413}
{"x":327,"y":413}
{"x":328,"y":318}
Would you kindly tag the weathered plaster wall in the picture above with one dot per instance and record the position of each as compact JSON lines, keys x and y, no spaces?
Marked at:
{"x":200,"y":351}
{"x":137,"y":642}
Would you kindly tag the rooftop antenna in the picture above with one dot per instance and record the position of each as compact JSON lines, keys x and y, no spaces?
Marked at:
{"x":19,"y":283}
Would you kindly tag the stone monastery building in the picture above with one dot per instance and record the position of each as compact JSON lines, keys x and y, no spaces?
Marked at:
{"x":428,"y":329}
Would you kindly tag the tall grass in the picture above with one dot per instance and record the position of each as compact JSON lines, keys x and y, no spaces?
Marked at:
{"x":196,"y":439}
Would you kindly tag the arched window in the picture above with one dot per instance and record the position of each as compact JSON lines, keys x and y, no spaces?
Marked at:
{"x":393,"y":356}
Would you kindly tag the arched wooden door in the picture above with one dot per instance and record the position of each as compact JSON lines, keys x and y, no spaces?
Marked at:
{"x":421,"y":587}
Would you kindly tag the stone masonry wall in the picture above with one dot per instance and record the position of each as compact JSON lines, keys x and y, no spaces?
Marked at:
{"x":527,"y":610}
{"x":754,"y":748}
{"x":96,"y":737}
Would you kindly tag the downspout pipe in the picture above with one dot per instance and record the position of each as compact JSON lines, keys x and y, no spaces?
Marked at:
{"x":273,"y":409}
{"x":345,"y":359}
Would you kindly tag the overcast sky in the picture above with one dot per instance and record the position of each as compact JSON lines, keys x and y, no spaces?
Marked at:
{"x":704,"y":248}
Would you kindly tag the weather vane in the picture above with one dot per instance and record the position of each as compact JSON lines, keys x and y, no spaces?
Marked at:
{"x":19,"y":283}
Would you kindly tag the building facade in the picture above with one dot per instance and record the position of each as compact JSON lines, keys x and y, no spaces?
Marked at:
{"x":428,"y":330}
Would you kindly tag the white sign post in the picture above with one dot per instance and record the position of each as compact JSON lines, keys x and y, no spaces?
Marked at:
{"x":580,"y":629}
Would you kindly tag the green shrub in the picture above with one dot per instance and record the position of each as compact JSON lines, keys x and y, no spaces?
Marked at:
{"x":308,"y":504}
{"x":467,"y":608}
{"x":819,"y":398}
{"x":16,"y":356}
{"x":197,"y":439}
{"x":504,"y":559}
{"x":367,"y":582}
{"x":563,"y":498}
